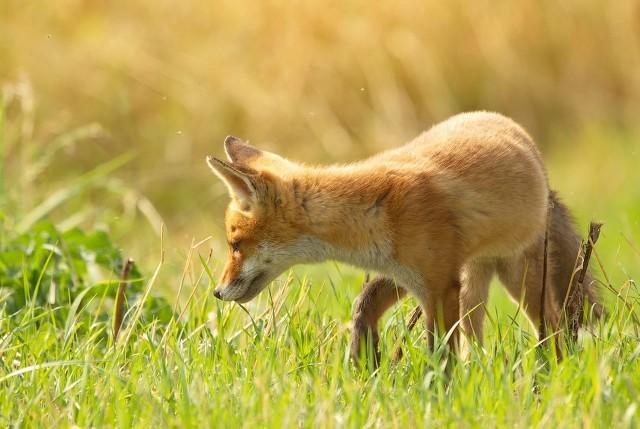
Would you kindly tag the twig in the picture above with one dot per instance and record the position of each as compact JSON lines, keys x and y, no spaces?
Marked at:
{"x":140,"y":303}
{"x":542,"y":331}
{"x":576,"y":298}
{"x":415,"y":316}
{"x":119,"y":304}
{"x":594,"y":234}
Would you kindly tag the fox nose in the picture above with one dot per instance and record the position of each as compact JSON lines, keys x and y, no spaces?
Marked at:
{"x":217,"y":294}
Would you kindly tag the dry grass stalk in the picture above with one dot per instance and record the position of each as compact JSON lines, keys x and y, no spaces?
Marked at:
{"x":415,"y":316}
{"x":119,"y":304}
{"x":542,"y":330}
{"x":574,"y":311}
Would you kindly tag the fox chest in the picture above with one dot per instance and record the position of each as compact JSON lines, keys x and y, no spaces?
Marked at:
{"x":376,"y":257}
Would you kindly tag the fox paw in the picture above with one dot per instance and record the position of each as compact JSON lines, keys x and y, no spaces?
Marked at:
{"x":364,"y":342}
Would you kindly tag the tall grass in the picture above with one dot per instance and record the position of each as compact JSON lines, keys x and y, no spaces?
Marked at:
{"x":289,"y":367}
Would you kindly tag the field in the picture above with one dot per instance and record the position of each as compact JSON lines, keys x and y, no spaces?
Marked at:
{"x":106,"y":115}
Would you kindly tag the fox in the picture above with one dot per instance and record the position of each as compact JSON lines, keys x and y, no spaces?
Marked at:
{"x":436,"y":218}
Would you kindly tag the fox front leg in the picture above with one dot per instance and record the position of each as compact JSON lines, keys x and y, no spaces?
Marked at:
{"x":377,"y":296}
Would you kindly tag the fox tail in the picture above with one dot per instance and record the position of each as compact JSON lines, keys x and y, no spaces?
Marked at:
{"x":564,"y":245}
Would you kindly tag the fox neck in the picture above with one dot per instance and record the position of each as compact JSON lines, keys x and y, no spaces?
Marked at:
{"x":342,"y":215}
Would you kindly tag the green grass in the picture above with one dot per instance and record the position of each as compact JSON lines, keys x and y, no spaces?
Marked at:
{"x":286,"y":365}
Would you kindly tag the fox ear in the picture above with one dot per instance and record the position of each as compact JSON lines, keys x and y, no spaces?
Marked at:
{"x":241,"y":183}
{"x":240,"y":152}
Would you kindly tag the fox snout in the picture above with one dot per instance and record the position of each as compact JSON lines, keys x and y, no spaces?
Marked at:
{"x":241,"y":289}
{"x":230,"y":290}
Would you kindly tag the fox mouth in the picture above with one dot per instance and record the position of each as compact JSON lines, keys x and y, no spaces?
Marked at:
{"x":255,"y":286}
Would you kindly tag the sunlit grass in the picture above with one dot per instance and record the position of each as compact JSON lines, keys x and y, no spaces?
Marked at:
{"x":288,"y":366}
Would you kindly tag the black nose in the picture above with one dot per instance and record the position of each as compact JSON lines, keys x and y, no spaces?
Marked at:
{"x":217,"y":294}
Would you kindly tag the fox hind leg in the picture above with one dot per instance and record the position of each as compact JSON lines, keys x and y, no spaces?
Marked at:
{"x":475,"y":280}
{"x":522,"y":277}
{"x":377,"y":296}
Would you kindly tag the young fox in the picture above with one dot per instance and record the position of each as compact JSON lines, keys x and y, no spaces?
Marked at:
{"x":436,"y":218}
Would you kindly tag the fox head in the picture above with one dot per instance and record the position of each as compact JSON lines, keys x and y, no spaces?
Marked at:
{"x":260,"y":234}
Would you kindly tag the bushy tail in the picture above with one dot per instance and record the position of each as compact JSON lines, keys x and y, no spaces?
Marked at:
{"x":564,"y":245}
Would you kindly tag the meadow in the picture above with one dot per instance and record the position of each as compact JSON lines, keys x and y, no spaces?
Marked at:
{"x":106,"y":115}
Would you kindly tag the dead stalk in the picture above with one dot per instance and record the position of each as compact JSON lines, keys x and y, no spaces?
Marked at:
{"x":542,"y":330}
{"x":119,"y":304}
{"x":415,"y":316}
{"x":574,"y":311}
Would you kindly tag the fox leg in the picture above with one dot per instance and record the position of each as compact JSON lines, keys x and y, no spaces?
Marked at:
{"x":522,"y":276}
{"x":441,"y":308}
{"x":376,"y":298}
{"x":474,"y":292}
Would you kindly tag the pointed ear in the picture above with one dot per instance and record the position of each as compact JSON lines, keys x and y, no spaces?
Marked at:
{"x":240,"y":152}
{"x":241,"y":183}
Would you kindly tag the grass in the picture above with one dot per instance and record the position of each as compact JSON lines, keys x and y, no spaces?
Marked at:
{"x":287,"y":366}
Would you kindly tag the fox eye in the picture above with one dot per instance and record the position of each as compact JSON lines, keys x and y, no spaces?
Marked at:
{"x":235,"y":245}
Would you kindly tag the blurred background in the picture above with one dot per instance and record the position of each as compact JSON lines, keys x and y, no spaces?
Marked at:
{"x":109,"y":108}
